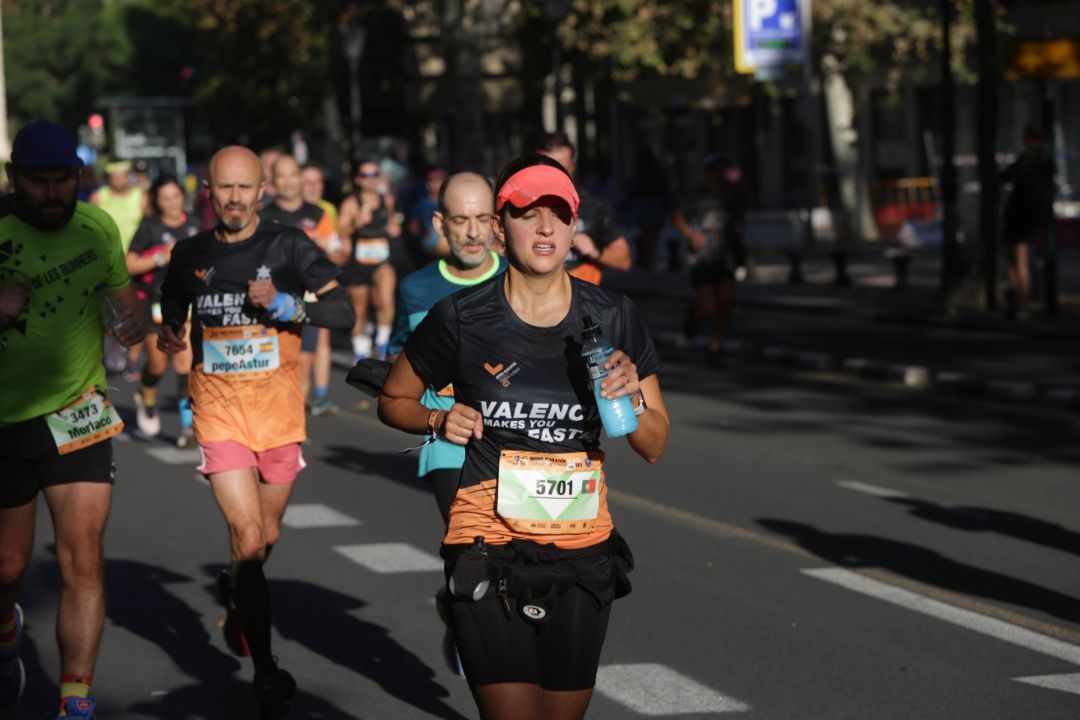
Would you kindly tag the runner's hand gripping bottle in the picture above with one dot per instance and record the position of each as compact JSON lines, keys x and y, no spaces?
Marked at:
{"x":616,"y":415}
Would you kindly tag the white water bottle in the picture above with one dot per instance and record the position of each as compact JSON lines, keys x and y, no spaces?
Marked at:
{"x":111,"y":311}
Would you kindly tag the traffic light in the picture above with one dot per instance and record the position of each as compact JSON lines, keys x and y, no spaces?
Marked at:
{"x":92,"y":132}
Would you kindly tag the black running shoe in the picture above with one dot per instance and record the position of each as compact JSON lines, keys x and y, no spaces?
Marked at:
{"x":273,"y":689}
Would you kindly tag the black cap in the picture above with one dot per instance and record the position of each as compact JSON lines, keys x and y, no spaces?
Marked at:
{"x":44,"y":144}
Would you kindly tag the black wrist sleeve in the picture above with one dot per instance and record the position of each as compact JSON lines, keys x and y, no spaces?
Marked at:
{"x":333,"y":310}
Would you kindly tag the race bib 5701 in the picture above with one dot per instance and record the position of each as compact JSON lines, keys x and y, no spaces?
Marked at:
{"x":549,"y":493}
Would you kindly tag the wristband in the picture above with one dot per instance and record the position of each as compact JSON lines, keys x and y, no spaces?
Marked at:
{"x":433,"y":421}
{"x":286,"y":308}
{"x":641,"y":407}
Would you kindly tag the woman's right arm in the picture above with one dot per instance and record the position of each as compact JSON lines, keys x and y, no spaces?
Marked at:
{"x":400,"y":408}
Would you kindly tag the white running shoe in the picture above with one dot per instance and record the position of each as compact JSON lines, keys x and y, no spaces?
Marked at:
{"x":146,"y":417}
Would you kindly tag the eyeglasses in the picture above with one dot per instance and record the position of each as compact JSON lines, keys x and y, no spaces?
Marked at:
{"x":368,"y":174}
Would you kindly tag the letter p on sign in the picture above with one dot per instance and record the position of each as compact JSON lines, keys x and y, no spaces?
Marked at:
{"x":759,"y":10}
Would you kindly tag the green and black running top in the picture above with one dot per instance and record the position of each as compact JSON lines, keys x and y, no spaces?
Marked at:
{"x":51,"y":352}
{"x":541,"y":423}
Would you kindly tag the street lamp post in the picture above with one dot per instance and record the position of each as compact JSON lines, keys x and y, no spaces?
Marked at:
{"x":353,"y":47}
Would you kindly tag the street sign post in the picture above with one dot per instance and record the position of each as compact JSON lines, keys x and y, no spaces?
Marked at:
{"x":769,"y":34}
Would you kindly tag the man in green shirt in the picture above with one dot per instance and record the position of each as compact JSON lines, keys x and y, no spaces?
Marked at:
{"x":61,"y":271}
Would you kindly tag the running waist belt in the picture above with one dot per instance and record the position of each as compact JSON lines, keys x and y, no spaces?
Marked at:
{"x":537,"y":574}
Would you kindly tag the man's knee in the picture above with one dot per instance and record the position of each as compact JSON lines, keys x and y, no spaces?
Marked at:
{"x":271,"y":533}
{"x":248,"y":540}
{"x":81,"y":562}
{"x":13,"y":564}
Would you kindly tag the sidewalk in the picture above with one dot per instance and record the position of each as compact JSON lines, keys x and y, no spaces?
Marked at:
{"x":874,"y":330}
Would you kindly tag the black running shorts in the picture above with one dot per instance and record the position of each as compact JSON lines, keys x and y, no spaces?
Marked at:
{"x":497,"y":646}
{"x":711,"y":272}
{"x":29,"y":463}
{"x":356,"y":274}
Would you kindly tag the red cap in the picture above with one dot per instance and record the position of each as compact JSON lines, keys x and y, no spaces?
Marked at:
{"x":525,"y":187}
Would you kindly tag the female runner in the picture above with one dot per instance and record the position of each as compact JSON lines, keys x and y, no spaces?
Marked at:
{"x":533,"y":560}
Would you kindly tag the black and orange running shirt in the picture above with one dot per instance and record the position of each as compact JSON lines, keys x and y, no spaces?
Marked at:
{"x":245,"y":381}
{"x":541,"y":423}
{"x":312,"y":219}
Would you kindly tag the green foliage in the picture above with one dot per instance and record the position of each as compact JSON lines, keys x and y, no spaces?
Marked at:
{"x":890,"y":39}
{"x":689,"y":38}
{"x":61,"y":56}
{"x":685,"y":38}
{"x":162,"y":47}
{"x":263,"y":64}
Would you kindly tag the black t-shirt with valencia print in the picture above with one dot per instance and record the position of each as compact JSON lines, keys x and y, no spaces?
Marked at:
{"x":529,"y":383}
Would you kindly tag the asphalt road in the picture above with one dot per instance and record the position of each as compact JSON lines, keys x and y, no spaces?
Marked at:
{"x":809,"y":548}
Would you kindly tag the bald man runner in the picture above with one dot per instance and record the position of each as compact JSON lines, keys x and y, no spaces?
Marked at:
{"x":245,"y":280}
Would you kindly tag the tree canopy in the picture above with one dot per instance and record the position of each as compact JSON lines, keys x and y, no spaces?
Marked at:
{"x":256,"y":66}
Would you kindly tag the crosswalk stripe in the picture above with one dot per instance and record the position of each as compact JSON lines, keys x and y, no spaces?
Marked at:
{"x":175,"y":456}
{"x":1066,"y":683}
{"x":391,"y":557}
{"x":875,"y":490}
{"x":316,"y":515}
{"x":654,"y":690}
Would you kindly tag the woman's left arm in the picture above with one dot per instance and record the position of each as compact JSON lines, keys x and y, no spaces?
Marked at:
{"x":650,"y":439}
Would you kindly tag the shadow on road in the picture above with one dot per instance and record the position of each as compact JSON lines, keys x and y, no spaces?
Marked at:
{"x":926,"y":566}
{"x":321,"y":620}
{"x":388,"y":463}
{"x":976,"y":434}
{"x":1010,"y":524}
{"x":138,"y":600}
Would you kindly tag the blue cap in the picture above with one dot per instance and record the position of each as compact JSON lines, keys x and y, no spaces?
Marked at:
{"x":44,"y":144}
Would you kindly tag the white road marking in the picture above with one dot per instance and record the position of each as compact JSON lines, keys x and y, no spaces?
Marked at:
{"x":999,"y":629}
{"x":875,"y":490}
{"x":651,"y":689}
{"x":1065,"y":683}
{"x":316,"y":515}
{"x":391,"y":557}
{"x":175,"y":456}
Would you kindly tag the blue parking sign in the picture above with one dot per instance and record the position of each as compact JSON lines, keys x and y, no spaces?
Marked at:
{"x":769,"y":33}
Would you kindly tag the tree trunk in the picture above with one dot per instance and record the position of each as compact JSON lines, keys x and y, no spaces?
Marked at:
{"x":854,"y":219}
